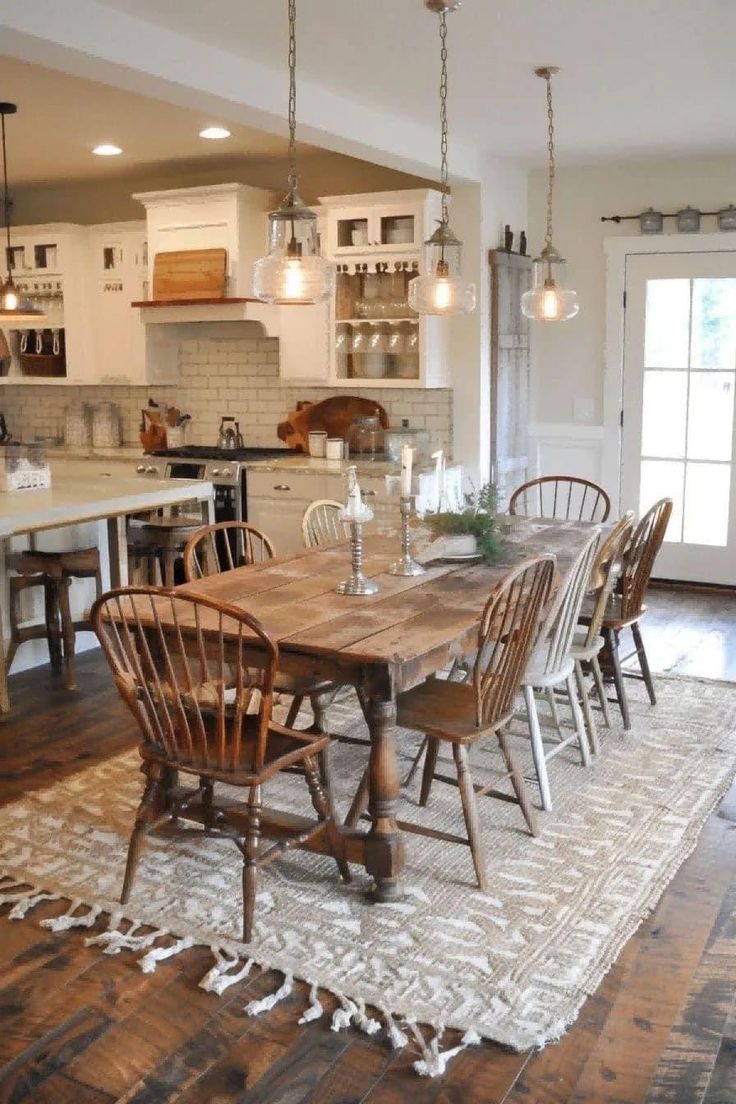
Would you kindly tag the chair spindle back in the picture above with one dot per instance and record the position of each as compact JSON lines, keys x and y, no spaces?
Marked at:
{"x":197,"y":674}
{"x":561,"y":496}
{"x":223,"y":547}
{"x":608,"y":563}
{"x":562,"y":618}
{"x":641,"y":553}
{"x":321,"y":523}
{"x":507,"y":634}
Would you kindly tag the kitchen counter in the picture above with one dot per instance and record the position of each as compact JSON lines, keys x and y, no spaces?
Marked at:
{"x":79,"y":495}
{"x":300,"y":462}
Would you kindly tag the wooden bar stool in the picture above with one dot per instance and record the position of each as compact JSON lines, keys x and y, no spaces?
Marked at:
{"x":156,"y":544}
{"x":54,"y":571}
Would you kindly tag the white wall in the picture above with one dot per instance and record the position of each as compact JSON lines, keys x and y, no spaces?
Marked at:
{"x":568,"y":360}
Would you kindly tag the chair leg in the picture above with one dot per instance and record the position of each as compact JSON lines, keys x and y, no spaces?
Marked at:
{"x":643,"y":661}
{"x":147,"y":811}
{"x":470,"y":812}
{"x":618,"y":677}
{"x":53,"y":632}
{"x":552,"y":702}
{"x":359,"y":803}
{"x":540,"y":763}
{"x":415,"y":765}
{"x":595,"y":666}
{"x":291,"y":716}
{"x":430,"y":762}
{"x":322,"y":802}
{"x":251,"y":849}
{"x":67,"y":632}
{"x":590,"y":724}
{"x":578,"y":721}
{"x":517,"y":781}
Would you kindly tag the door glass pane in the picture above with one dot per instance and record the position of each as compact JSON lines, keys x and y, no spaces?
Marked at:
{"x":664,"y":479}
{"x":667,"y":329}
{"x":706,"y":504}
{"x":710,"y":416}
{"x":664,"y":414}
{"x":714,"y":324}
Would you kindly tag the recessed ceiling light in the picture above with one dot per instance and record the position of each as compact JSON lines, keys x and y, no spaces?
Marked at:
{"x":107,"y":150}
{"x":214,"y":132}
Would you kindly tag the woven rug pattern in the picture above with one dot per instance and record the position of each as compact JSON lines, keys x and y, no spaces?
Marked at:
{"x":513,"y":964}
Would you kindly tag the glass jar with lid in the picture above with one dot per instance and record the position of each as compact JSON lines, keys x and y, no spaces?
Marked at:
{"x":366,"y":437}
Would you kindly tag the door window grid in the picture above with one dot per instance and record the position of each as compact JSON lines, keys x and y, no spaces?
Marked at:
{"x":685,"y":477}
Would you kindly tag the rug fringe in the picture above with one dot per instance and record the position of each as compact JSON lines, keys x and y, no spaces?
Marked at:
{"x":218,"y":979}
{"x":68,"y":919}
{"x":113,"y":941}
{"x":157,"y":954}
{"x":315,"y":1010}
{"x":353,"y":1012}
{"x":398,"y":1039}
{"x":254,"y":1008}
{"x":433,"y":1062}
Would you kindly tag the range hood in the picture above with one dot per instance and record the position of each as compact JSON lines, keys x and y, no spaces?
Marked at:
{"x":229,"y":217}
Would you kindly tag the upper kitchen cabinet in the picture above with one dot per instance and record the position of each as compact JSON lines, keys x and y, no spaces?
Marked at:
{"x":117,"y":274}
{"x":380,"y":222}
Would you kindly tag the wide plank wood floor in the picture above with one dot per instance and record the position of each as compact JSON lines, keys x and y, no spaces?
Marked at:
{"x":78,"y":1027}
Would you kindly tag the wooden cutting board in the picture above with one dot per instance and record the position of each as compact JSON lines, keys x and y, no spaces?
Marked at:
{"x":190,"y":274}
{"x":334,"y":415}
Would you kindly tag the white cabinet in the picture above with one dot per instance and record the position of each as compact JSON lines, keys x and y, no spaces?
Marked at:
{"x":305,"y":335}
{"x":277,"y":501}
{"x":116,"y":275}
{"x":380,"y":222}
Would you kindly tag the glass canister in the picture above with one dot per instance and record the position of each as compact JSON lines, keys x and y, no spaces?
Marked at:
{"x":106,"y":427}
{"x":366,"y":437}
{"x":78,"y":425}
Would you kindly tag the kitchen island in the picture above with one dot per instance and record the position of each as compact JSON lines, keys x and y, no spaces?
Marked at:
{"x":83,"y":492}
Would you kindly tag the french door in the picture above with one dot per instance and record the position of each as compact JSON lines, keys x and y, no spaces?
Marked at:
{"x":678,"y":436}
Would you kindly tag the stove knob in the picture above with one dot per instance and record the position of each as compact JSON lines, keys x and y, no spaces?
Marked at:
{"x":151,"y":470}
{"x":216,"y":471}
{"x":141,"y":469}
{"x":226,"y":471}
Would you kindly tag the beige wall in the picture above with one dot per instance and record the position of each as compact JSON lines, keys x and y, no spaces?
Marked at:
{"x":569,"y":359}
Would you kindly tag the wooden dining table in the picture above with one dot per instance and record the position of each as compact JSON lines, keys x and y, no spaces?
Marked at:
{"x":413,"y":628}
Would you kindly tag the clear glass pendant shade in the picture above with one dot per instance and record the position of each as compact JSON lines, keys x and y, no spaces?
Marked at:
{"x":15,"y":308}
{"x":294,"y":271}
{"x":442,"y":290}
{"x":549,"y":300}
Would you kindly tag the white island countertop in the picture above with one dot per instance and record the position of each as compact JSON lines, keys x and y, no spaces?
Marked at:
{"x":83,"y":491}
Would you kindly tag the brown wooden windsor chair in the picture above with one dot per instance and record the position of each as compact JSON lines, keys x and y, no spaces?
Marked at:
{"x":626,"y":606}
{"x":461,"y":713}
{"x":198,"y":676}
{"x":561,"y":496}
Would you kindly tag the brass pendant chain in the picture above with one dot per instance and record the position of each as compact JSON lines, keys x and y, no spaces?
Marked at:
{"x":6,"y":198}
{"x":443,"y":115}
{"x":551,"y":156}
{"x":293,"y":175}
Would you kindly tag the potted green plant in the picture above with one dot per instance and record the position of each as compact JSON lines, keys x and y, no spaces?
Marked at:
{"x":476,"y":522}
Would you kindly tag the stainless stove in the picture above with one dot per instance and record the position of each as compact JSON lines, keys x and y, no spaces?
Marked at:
{"x":225,"y":468}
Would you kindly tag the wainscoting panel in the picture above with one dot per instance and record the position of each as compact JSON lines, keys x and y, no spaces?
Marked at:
{"x":562,"y":449}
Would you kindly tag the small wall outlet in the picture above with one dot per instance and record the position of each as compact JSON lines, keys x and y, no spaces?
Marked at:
{"x":583,"y":410}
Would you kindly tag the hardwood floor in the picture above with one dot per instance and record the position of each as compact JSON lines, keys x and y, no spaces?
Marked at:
{"x":79,"y":1027}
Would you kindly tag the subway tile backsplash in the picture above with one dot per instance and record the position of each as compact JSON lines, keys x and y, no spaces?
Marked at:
{"x":237,"y":377}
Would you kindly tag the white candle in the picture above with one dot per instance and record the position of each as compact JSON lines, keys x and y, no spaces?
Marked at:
{"x":355,"y":500}
{"x":407,"y":459}
{"x":439,"y":462}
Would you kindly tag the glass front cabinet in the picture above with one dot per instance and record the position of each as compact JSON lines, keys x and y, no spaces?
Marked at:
{"x":374,"y":338}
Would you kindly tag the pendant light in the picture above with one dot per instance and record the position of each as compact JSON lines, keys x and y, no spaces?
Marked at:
{"x":14,"y":310}
{"x":549,"y":300}
{"x":294,"y":271}
{"x":442,"y":290}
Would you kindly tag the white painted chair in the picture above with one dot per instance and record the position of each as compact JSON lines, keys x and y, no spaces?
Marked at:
{"x":588,"y":642}
{"x":321,"y":523}
{"x":552,"y":665}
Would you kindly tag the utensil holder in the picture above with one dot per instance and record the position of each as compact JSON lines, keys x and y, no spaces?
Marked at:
{"x":406,"y":565}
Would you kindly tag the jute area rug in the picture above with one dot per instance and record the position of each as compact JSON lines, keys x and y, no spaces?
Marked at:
{"x":514,"y":964}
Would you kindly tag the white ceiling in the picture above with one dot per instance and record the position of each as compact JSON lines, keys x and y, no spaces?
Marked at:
{"x":639,"y":77}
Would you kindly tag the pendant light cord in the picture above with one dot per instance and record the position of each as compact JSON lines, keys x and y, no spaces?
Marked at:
{"x":443,"y":114}
{"x":6,"y":200}
{"x":551,"y":161}
{"x":293,"y":175}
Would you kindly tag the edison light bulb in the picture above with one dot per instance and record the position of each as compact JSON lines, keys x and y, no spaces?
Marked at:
{"x":10,"y":299}
{"x":293,"y":286}
{"x":550,"y":304}
{"x":442,"y":295}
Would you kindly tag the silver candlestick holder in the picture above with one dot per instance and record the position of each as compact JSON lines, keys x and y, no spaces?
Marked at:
{"x":407,"y":565}
{"x":357,"y":583}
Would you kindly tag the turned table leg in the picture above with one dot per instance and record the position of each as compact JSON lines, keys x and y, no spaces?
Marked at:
{"x":384,"y":845}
